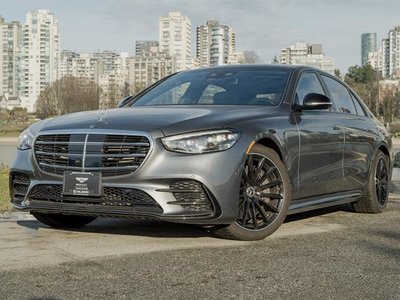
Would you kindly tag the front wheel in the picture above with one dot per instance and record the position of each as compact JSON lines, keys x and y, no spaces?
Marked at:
{"x":264,"y":197}
{"x":63,"y":221}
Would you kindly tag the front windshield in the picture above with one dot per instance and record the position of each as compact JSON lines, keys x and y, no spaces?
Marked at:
{"x":222,"y":86}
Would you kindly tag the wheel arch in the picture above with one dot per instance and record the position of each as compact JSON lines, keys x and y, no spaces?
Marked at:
{"x":385,"y":150}
{"x":269,"y":142}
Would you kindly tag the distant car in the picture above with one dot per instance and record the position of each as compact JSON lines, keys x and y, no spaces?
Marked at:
{"x":236,"y":148}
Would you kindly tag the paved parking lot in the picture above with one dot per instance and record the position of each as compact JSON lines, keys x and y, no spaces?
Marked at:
{"x":328,"y":254}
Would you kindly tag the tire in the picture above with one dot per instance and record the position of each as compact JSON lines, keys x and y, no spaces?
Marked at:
{"x":264,"y":197}
{"x":63,"y":221}
{"x":377,"y":195}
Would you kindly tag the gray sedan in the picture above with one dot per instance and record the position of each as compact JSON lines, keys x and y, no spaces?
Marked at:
{"x":233,"y":148}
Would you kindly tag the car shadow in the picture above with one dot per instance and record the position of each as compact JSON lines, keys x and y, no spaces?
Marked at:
{"x":161,"y":229}
{"x":319,"y":212}
{"x":131,"y":227}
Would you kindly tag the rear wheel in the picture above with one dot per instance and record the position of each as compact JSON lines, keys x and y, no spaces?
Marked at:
{"x":264,"y":197}
{"x":377,"y":195}
{"x":63,"y":221}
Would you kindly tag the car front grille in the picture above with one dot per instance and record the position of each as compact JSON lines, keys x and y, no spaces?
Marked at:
{"x":112,"y":196}
{"x":112,"y":155}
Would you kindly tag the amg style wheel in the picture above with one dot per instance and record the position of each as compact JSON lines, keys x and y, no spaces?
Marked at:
{"x":63,"y":221}
{"x":264,"y":197}
{"x":377,"y":195}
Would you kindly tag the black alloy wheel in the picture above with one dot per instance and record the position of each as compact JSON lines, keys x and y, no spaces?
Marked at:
{"x":381,"y":182}
{"x":261,"y":193}
{"x":377,"y":189}
{"x":263,"y":199}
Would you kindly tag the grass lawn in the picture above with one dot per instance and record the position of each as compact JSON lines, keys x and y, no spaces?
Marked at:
{"x":4,"y":195}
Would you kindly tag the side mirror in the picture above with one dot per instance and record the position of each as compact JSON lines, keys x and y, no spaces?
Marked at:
{"x":123,"y":101}
{"x":315,"y":101}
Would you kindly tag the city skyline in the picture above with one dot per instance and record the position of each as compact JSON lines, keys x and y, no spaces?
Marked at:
{"x":263,"y":26}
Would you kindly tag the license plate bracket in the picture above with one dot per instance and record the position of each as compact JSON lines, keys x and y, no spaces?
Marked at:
{"x":87,"y":184}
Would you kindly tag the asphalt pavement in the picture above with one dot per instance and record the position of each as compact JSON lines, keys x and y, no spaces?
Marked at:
{"x":326,"y":254}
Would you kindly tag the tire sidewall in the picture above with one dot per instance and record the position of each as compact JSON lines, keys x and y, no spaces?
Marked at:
{"x":242,"y":233}
{"x":371,"y":184}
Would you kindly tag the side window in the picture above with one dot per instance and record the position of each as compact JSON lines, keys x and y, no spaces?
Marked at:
{"x":308,"y":83}
{"x":340,"y":95}
{"x":359,"y":109}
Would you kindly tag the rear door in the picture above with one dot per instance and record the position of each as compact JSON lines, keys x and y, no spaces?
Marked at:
{"x":359,"y":131}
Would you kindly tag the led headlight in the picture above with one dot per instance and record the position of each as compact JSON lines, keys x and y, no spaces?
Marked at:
{"x":202,"y":142}
{"x":25,"y":140}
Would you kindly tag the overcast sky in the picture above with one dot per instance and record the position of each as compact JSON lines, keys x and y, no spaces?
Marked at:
{"x":265,"y":26}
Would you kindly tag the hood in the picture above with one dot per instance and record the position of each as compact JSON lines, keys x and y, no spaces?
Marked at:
{"x":168,"y":120}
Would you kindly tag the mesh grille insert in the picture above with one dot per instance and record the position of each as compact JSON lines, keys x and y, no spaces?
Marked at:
{"x":112,"y":196}
{"x":191,"y":195}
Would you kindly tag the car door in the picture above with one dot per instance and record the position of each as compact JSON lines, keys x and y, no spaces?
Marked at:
{"x":359,"y":131}
{"x":321,"y":144}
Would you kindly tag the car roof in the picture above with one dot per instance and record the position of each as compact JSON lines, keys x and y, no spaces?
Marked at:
{"x":271,"y":67}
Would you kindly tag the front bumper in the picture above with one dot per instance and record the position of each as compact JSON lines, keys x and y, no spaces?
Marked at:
{"x":215,"y":176}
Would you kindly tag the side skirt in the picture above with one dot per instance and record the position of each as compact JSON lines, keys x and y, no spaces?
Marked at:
{"x":303,"y":205}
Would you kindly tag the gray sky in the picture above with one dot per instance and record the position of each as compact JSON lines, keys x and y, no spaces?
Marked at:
{"x":265,"y":26}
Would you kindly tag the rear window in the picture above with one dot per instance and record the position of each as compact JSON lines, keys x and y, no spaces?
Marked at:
{"x":225,"y":86}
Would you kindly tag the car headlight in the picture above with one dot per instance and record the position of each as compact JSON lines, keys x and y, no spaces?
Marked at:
{"x":202,"y":142}
{"x":25,"y":140}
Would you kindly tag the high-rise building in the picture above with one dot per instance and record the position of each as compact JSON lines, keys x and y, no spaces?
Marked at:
{"x":368,"y":44}
{"x":143,"y":47}
{"x":375,"y":60}
{"x":391,"y":54}
{"x":385,"y":57}
{"x":80,"y":65}
{"x":148,"y":68}
{"x":115,"y":85}
{"x":107,"y":59}
{"x":10,"y":41}
{"x":302,"y":53}
{"x":175,"y":39}
{"x":214,"y":44}
{"x":40,"y":55}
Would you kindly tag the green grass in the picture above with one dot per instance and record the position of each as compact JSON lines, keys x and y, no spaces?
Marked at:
{"x":12,"y":130}
{"x":4,"y":195}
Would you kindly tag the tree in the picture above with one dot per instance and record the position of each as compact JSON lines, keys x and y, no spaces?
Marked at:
{"x":19,"y":115}
{"x":275,"y":60}
{"x":66,"y":95}
{"x":390,"y":106}
{"x":337,"y":73}
{"x":365,"y":82}
{"x":251,"y":57}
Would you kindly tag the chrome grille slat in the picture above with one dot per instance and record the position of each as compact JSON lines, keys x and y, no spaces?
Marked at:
{"x":92,"y":143}
{"x":112,"y":155}
{"x":90,"y":154}
{"x":87,"y":168}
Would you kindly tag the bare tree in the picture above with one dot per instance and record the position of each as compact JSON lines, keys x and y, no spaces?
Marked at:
{"x":251,"y":57}
{"x":69,"y":94}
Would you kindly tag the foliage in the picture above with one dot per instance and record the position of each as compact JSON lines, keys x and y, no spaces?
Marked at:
{"x":365,"y":74}
{"x":364,"y":81}
{"x":67,"y":95}
{"x":4,"y":194}
{"x":390,"y":107}
{"x":337,"y":73}
{"x":251,"y":57}
{"x":13,"y":122}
